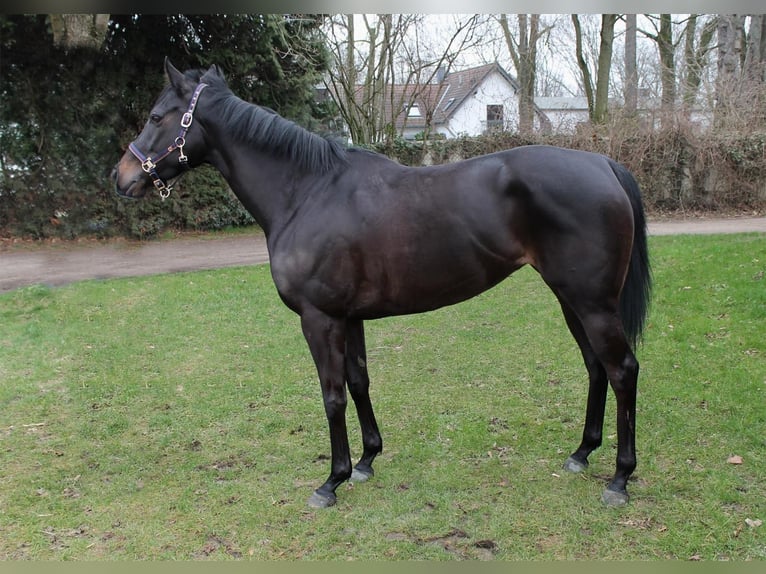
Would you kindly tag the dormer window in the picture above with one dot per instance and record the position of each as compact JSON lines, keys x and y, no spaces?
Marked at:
{"x":413,"y":111}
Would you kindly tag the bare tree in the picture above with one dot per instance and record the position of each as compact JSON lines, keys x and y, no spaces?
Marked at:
{"x":754,"y":68}
{"x":385,"y":68}
{"x":730,"y":30}
{"x":755,"y":54}
{"x":522,"y":48}
{"x":666,"y":48}
{"x":631,"y":71}
{"x":695,"y":58}
{"x":362,"y":67}
{"x":598,"y":95}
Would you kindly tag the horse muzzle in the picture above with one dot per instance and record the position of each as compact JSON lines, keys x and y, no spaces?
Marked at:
{"x":133,"y":188}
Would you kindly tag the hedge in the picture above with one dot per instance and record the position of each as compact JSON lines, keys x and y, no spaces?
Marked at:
{"x":677,"y":170}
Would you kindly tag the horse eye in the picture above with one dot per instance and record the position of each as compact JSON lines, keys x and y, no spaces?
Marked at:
{"x":155,"y":118}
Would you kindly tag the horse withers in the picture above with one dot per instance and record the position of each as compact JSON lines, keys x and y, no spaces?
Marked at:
{"x":353,"y":235}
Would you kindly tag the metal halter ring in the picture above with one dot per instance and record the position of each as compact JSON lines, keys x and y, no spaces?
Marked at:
{"x":180,"y":143}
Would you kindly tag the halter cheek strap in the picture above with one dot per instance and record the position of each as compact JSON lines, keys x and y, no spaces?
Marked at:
{"x":149,"y":165}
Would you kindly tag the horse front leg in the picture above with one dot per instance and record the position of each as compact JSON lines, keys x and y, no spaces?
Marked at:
{"x":359,"y":384}
{"x":326,"y":338}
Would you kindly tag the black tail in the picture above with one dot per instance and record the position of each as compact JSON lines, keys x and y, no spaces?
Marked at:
{"x":634,"y":302}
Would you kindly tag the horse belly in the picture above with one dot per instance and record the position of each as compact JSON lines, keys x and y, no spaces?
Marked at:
{"x":403,"y":281}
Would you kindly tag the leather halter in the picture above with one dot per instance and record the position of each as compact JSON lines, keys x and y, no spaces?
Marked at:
{"x":149,"y":164}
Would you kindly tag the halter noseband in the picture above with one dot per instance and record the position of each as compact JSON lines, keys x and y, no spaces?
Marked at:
{"x":149,"y":165}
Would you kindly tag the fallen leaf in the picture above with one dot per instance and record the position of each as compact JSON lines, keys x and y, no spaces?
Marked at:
{"x":735,"y":459}
{"x":753,"y":523}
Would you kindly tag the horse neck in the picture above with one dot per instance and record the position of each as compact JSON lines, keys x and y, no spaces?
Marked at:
{"x":265,"y":185}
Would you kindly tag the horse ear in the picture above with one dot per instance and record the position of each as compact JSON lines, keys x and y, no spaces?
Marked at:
{"x":176,"y":78}
{"x":214,"y":70}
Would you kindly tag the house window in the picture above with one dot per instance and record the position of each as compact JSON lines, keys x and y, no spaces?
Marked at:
{"x":413,"y":111}
{"x":494,"y":117}
{"x":449,"y":103}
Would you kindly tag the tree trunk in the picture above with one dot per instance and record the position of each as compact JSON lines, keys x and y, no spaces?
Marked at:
{"x":695,"y":57}
{"x":587,"y":79}
{"x":79,"y":30}
{"x":667,"y":69}
{"x":730,"y":29}
{"x":601,"y":102}
{"x":754,"y":71}
{"x":755,"y":56}
{"x":524,"y":56}
{"x":631,"y":73}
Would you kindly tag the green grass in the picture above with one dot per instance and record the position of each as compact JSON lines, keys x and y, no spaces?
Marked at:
{"x":179,"y":417}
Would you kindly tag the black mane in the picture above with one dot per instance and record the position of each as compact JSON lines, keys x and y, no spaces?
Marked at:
{"x":268,"y":131}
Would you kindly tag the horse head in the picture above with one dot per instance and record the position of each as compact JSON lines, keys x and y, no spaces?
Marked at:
{"x":171,"y":141}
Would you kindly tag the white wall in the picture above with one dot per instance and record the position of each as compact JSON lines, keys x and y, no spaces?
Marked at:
{"x":470,"y":118}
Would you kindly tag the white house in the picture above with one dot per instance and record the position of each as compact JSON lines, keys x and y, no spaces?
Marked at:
{"x":486,"y":98}
{"x":464,"y":103}
{"x":476,"y":101}
{"x":563,"y":114}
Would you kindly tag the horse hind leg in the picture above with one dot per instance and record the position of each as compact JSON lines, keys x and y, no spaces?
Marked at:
{"x":597,"y":386}
{"x":607,"y":338}
{"x":599,"y":332}
{"x":358,"y":382}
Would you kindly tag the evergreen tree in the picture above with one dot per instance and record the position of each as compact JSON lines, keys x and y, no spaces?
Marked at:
{"x":67,"y":113}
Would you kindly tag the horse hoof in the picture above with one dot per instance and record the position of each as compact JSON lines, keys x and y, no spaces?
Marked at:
{"x":574,"y":466}
{"x":613,"y":498}
{"x":358,"y":476}
{"x":317,"y":500}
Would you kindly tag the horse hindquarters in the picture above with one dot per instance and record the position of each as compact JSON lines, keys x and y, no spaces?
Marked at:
{"x":586,"y":267}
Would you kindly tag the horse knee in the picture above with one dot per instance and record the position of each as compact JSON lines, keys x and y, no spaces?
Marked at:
{"x":335,"y":404}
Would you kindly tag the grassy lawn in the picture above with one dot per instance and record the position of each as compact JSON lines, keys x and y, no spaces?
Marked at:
{"x":179,"y":417}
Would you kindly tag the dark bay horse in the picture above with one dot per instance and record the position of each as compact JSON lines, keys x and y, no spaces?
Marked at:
{"x":353,"y":235}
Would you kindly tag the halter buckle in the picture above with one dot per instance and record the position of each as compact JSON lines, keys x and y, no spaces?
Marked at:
{"x":148,"y":165}
{"x":186,"y":119}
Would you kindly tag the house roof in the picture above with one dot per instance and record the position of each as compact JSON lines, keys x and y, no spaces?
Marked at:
{"x":562,"y":103}
{"x":441,"y":100}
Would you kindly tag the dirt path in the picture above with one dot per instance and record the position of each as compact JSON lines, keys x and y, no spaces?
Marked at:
{"x":59,"y":264}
